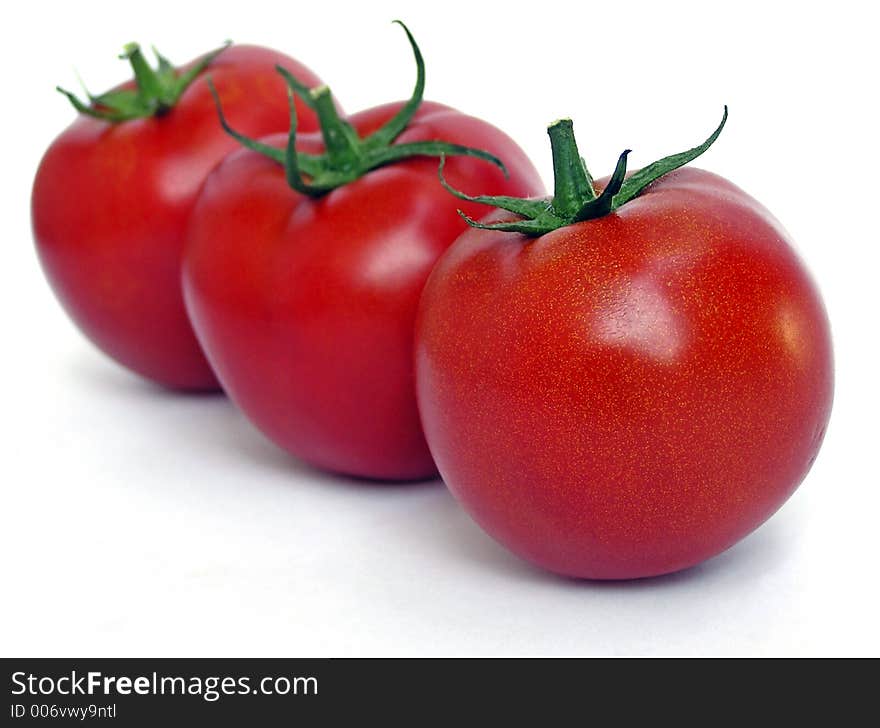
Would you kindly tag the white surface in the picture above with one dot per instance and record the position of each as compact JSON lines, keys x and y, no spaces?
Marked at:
{"x":136,"y":523}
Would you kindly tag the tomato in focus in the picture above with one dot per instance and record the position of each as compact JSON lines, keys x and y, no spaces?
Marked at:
{"x":628,"y":395}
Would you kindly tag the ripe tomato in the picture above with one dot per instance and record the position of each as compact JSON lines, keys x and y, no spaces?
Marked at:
{"x":114,"y":190}
{"x":305,"y":305}
{"x":627,"y":395}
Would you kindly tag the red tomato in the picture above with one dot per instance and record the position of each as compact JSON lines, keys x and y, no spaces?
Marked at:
{"x":632,"y":394}
{"x":305,"y":306}
{"x":111,"y":200}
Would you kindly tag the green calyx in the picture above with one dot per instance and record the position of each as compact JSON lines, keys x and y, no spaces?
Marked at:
{"x":574,"y":197}
{"x":348,"y":156}
{"x":156,"y":90}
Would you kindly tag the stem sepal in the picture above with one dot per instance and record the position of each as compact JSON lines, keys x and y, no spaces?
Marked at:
{"x":156,"y":91}
{"x":348,"y":156}
{"x":574,"y":197}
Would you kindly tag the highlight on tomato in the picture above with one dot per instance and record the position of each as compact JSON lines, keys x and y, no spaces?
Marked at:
{"x":305,"y":260}
{"x":627,"y":378}
{"x":113,"y":193}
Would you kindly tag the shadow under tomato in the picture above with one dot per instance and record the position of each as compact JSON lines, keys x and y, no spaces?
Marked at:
{"x":100,"y":372}
{"x":211,"y":424}
{"x":453,"y":531}
{"x":238,"y":438}
{"x":258,"y":450}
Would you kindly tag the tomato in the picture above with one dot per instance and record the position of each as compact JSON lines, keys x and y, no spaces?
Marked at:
{"x":627,"y":395}
{"x":305,"y":303}
{"x":113,"y":193}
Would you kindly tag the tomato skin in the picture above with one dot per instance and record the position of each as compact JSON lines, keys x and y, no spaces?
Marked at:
{"x":306,"y":307}
{"x":628,"y":396}
{"x":110,"y":204}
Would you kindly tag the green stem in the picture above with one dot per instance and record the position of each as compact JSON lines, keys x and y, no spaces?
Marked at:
{"x":157,"y":90}
{"x":340,"y":139}
{"x":574,"y":199}
{"x":146,"y":78}
{"x":347,"y":156}
{"x":571,"y":185}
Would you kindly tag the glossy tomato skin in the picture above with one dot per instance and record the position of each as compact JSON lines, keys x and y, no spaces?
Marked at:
{"x":306,"y":307}
{"x":110,"y":204}
{"x":628,"y":396}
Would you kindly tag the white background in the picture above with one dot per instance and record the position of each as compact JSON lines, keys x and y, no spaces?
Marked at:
{"x":137,"y":523}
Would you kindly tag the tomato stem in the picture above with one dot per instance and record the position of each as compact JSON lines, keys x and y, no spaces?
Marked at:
{"x":573,"y":185}
{"x":347,"y":156}
{"x":148,"y":81}
{"x":340,"y":138}
{"x":574,"y":197}
{"x":156,"y":91}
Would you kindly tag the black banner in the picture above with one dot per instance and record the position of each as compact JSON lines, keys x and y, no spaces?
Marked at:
{"x":257,"y":692}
